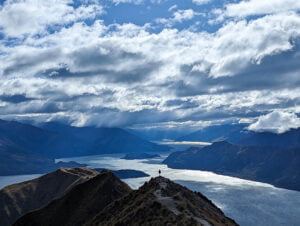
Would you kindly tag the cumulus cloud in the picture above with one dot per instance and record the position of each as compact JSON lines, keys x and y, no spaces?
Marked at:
{"x":30,"y":17}
{"x":233,"y":47}
{"x":94,"y":73}
{"x":258,"y":7}
{"x":276,"y":122}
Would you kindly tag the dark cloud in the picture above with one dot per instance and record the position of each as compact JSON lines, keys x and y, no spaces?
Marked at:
{"x":102,"y":74}
{"x":31,"y":61}
{"x":274,"y":72}
{"x":116,"y":66}
{"x":182,"y":104}
{"x":15,"y":99}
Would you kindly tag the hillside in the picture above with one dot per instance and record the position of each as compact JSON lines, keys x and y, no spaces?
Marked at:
{"x":18,"y":160}
{"x":21,"y":198}
{"x":105,"y":200}
{"x":78,"y":141}
{"x":238,"y":134}
{"x":216,"y":133}
{"x":26,"y":149}
{"x":162,"y":202}
{"x":59,"y":140}
{"x":80,"y":204}
{"x":290,"y":138}
{"x":277,"y":166}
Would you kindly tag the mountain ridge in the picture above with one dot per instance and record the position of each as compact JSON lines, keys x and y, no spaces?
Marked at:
{"x":278,"y":166}
{"x":17,"y":199}
{"x":239,"y":134}
{"x":26,"y":149}
{"x":105,"y":200}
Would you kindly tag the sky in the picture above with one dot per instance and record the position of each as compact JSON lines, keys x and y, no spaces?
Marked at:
{"x":151,"y":63}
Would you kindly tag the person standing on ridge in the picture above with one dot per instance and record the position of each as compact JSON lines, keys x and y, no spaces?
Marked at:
{"x":159,"y":172}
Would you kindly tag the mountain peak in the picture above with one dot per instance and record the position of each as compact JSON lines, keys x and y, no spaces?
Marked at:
{"x":222,"y":143}
{"x":161,"y":201}
{"x":79,"y":171}
{"x":181,"y":201}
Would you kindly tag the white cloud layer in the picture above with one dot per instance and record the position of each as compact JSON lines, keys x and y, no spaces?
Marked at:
{"x":260,"y":7}
{"x":276,"y":122}
{"x":93,"y":73}
{"x":30,"y":17}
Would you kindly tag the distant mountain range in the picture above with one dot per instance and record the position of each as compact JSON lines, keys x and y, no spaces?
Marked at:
{"x":26,"y":149}
{"x":78,"y":141}
{"x":238,"y":134}
{"x":17,"y":158}
{"x":275,"y":165}
{"x":154,"y":134}
{"x":102,"y":199}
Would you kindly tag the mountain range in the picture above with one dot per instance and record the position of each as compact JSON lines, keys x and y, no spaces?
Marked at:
{"x":279,"y":166}
{"x":27,"y":149}
{"x":78,"y":141}
{"x":103,"y":199}
{"x":239,"y":134}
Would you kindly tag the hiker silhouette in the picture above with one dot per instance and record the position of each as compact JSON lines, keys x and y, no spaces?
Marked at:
{"x":159,"y":172}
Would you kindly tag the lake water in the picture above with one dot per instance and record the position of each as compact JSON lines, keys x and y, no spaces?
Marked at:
{"x":247,"y":202}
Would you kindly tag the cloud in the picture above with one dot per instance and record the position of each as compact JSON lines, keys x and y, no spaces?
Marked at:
{"x":16,"y":98}
{"x":90,"y":72}
{"x":178,"y":16}
{"x":276,"y":122}
{"x":258,"y":7}
{"x":201,"y":2}
{"x":233,"y":48}
{"x":173,"y":7}
{"x":30,"y":17}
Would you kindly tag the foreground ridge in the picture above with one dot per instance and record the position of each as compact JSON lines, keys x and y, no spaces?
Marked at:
{"x":21,"y":198}
{"x":106,"y":200}
{"x":162,"y":202}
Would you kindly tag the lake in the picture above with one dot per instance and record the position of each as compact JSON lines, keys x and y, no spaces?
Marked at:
{"x":247,"y":202}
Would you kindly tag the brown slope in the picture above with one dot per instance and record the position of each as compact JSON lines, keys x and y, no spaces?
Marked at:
{"x":18,"y":199}
{"x":105,"y":200}
{"x":162,"y":202}
{"x":80,"y":204}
